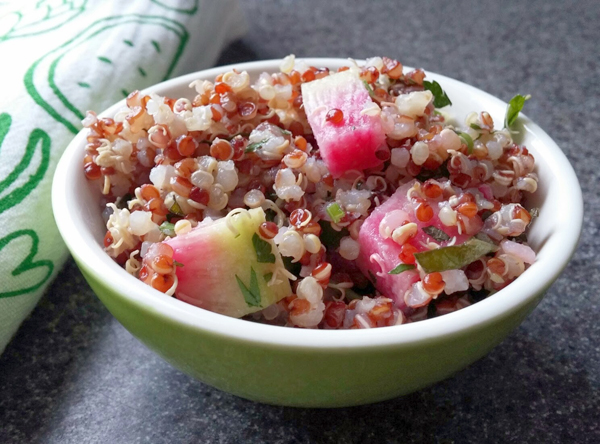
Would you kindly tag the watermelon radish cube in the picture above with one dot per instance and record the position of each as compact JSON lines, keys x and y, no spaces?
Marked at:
{"x":350,"y":143}
{"x":379,"y":253}
{"x":227,"y":266}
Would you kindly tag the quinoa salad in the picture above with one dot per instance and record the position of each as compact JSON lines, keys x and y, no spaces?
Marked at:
{"x":314,"y":198}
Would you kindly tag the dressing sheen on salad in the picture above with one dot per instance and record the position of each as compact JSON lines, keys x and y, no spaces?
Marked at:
{"x":314,"y":198}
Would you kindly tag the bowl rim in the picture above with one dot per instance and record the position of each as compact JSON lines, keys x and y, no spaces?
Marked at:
{"x":85,"y":248}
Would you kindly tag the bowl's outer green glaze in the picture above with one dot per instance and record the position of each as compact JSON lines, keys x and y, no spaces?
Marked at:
{"x":324,"y":368}
{"x":304,"y":377}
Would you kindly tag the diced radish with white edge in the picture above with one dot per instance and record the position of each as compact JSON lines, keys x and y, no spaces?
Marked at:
{"x":227,"y":266}
{"x":352,"y":143}
{"x":379,"y":251}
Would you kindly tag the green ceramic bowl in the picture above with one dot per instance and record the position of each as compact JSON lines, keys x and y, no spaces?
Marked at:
{"x":324,"y":368}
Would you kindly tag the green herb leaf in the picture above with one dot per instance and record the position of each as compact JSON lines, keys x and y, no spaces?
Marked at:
{"x":267,"y":277}
{"x":514,"y":108}
{"x":454,"y":257}
{"x":263,"y":250}
{"x":467,"y":140}
{"x":252,"y":294}
{"x":401,"y":268}
{"x":484,"y":237}
{"x":177,"y":264}
{"x":330,"y":237}
{"x":436,"y":233}
{"x":286,"y":132}
{"x":176,"y":209}
{"x":254,"y":288}
{"x":270,"y":215}
{"x":369,"y":89}
{"x":335,"y":212}
{"x":255,"y":146}
{"x":475,"y":126}
{"x":292,"y":267}
{"x":440,"y":98}
{"x":167,"y":229}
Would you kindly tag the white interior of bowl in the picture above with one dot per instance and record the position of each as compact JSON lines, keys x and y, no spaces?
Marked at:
{"x":554,"y":234}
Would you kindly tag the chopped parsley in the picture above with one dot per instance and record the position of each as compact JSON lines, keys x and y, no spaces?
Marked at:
{"x":484,"y":237}
{"x":255,"y":146}
{"x":369,"y":89}
{"x":454,"y":257}
{"x":440,"y":98}
{"x":270,"y":215}
{"x":436,"y":233}
{"x":251,"y":293}
{"x":514,"y":108}
{"x":330,"y":237}
{"x":292,"y":267}
{"x":167,"y":228}
{"x":467,"y":140}
{"x":335,"y":212}
{"x":263,"y":250}
{"x":176,"y":209}
{"x":401,"y":268}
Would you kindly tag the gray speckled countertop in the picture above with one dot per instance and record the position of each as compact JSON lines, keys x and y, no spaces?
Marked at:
{"x":73,"y":374}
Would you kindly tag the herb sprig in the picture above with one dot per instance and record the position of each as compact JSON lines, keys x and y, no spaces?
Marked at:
{"x":454,"y":257}
{"x":514,"y":108}
{"x":263,"y":250}
{"x":252,"y":293}
{"x":401,"y":268}
{"x":440,"y":98}
{"x":436,"y":233}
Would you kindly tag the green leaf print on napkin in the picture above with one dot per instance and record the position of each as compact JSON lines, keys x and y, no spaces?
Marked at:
{"x":45,"y":16}
{"x":57,"y":89}
{"x":25,"y":277}
{"x":36,"y":138}
{"x":189,"y":7}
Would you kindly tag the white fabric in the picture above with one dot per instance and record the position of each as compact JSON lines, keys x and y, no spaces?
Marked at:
{"x":58,"y":59}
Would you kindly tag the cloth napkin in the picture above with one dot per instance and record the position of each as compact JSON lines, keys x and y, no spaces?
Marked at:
{"x":59,"y":58}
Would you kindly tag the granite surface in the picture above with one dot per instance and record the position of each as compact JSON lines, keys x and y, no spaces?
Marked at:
{"x":74,"y":375}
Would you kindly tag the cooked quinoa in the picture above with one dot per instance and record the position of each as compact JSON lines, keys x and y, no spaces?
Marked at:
{"x":433,"y":223}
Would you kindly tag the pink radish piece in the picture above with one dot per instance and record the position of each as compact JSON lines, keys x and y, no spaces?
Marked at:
{"x":379,"y":255}
{"x":352,"y":143}
{"x":217,"y":256}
